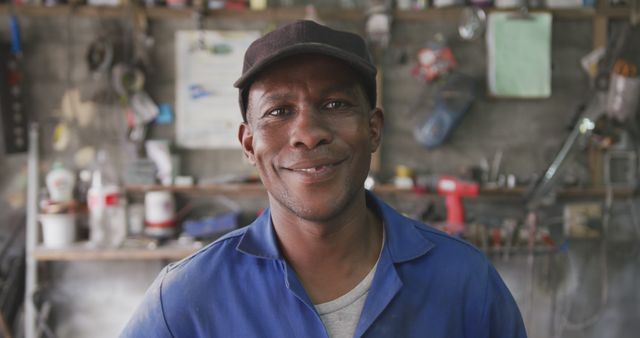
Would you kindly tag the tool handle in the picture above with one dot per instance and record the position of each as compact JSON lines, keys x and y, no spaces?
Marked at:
{"x":455,"y":209}
{"x":14,"y":26}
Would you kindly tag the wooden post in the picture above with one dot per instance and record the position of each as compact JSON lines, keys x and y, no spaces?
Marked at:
{"x":600,"y":25}
{"x":600,"y":36}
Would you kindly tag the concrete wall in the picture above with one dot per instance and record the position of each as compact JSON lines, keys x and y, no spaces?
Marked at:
{"x":554,"y":291}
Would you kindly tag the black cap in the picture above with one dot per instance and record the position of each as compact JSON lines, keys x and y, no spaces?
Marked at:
{"x":306,"y":37}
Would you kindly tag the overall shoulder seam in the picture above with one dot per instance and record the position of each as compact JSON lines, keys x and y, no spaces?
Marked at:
{"x":164,"y":318}
{"x":429,"y":230}
{"x":225,"y":238}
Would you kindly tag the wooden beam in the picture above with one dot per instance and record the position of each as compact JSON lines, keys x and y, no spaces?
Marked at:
{"x":600,"y":30}
{"x":600,"y":24}
{"x":83,"y":252}
{"x":288,"y":13}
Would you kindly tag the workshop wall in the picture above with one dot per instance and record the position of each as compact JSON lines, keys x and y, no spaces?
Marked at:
{"x":528,"y":132}
{"x":94,"y":300}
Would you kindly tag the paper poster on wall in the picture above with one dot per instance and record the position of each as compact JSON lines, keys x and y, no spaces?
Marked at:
{"x":519,"y":49}
{"x":207,"y":65}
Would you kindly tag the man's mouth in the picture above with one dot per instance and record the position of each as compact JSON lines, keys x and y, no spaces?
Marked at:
{"x":313,"y":170}
{"x":316,"y":168}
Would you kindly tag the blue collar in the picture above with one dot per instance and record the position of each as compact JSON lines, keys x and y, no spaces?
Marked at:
{"x":404,"y":241}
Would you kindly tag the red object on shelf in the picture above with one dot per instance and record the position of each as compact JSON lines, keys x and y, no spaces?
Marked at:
{"x":236,"y":4}
{"x":453,"y":191}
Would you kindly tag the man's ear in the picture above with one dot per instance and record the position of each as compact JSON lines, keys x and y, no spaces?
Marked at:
{"x":376,"y":124}
{"x":245,"y":135}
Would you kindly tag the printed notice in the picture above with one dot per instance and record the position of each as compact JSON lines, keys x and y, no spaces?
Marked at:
{"x":207,"y":65}
{"x":519,"y":51}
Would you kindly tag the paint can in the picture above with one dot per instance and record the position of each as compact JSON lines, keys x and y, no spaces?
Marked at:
{"x":160,"y":214}
{"x":58,"y":230}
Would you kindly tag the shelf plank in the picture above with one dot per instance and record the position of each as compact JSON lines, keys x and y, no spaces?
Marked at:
{"x":595,"y":193}
{"x":239,"y":188}
{"x":64,"y":10}
{"x":271,"y":14}
{"x":83,"y":252}
{"x":453,"y":13}
{"x":258,"y":189}
{"x":519,"y":251}
{"x":287,"y":13}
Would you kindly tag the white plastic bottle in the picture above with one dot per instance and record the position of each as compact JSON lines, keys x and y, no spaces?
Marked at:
{"x":107,"y":207}
{"x":60,"y":182}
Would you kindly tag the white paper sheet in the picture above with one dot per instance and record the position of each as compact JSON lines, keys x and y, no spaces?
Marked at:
{"x":519,"y":55}
{"x":207,"y":65}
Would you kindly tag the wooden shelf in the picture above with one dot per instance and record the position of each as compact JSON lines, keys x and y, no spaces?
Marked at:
{"x":390,"y":189}
{"x":595,"y":193}
{"x":226,"y":189}
{"x":385,"y":189}
{"x":519,"y":251}
{"x":272,"y":14}
{"x":83,"y":252}
{"x":285,"y":14}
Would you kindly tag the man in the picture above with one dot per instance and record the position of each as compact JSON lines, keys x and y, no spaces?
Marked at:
{"x":327,"y":259}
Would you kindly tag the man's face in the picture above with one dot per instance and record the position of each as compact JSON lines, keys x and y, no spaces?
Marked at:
{"x":310,"y":132}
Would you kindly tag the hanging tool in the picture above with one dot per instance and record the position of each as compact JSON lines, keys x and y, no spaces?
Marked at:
{"x":129,"y":80}
{"x":99,"y":58}
{"x":546,"y":182}
{"x":14,"y":116}
{"x":99,"y":55}
{"x":452,"y":101}
{"x":473,"y":23}
{"x":142,"y":40}
{"x":585,"y":121}
{"x":378,"y":26}
{"x":624,"y":83}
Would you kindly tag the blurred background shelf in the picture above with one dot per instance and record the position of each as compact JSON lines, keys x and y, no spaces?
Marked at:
{"x":258,"y":189}
{"x":287,"y":14}
{"x":239,"y":188}
{"x":83,"y":252}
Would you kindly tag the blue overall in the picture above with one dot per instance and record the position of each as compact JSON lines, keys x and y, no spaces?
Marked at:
{"x":427,"y":284}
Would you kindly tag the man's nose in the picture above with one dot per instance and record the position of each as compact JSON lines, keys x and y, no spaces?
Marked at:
{"x":310,"y":129}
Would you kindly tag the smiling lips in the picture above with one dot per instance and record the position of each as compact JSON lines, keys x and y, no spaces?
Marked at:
{"x":312,"y":170}
{"x":317,"y":170}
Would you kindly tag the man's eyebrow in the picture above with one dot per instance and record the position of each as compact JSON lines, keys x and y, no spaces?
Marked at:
{"x":276,"y":96}
{"x":348,"y":88}
{"x":268,"y":98}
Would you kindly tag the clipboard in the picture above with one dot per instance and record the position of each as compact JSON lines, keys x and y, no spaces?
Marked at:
{"x":519,"y":54}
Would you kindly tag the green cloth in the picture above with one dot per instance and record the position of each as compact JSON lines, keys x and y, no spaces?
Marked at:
{"x":519,"y":55}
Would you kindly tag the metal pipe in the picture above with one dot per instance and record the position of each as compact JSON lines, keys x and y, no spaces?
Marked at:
{"x":31,"y":233}
{"x":582,"y":128}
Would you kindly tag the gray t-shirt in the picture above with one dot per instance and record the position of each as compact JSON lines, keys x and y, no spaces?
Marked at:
{"x":341,"y":315}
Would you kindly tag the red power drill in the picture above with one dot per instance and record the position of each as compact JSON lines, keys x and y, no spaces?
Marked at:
{"x":453,"y":191}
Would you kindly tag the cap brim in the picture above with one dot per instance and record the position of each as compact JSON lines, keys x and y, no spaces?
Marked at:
{"x":360,"y":65}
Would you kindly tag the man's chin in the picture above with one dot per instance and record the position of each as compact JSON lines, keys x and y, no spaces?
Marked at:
{"x":316,"y":207}
{"x":315,"y":211}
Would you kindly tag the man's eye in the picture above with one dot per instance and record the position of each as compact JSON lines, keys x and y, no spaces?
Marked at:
{"x":277,"y":112}
{"x":335,"y":105}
